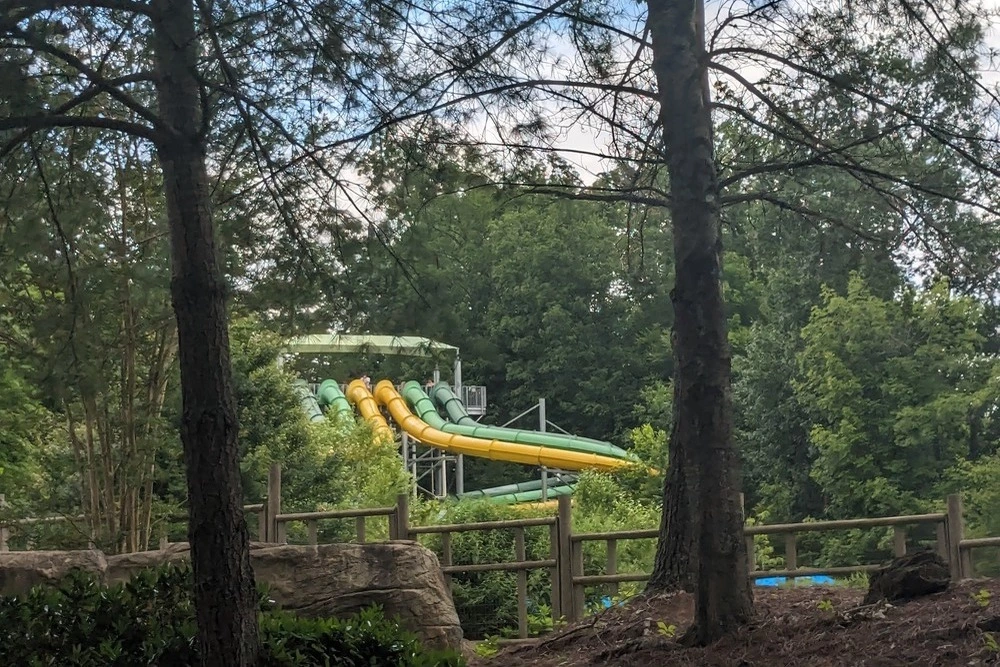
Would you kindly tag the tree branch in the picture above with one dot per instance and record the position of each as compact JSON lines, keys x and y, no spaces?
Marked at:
{"x":49,"y":121}
{"x":111,"y":87}
{"x":17,"y":10}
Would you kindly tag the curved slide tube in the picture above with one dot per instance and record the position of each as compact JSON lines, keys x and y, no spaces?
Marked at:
{"x":533,"y":497}
{"x":497,"y":450}
{"x":358,"y":394}
{"x":525,"y":492}
{"x":442,"y":394}
{"x":331,"y":397}
{"x":507,"y":489}
{"x":309,"y":403}
{"x":425,"y":409}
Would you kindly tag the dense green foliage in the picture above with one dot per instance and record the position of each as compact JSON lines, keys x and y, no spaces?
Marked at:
{"x":861,"y":295}
{"x":150,"y":620}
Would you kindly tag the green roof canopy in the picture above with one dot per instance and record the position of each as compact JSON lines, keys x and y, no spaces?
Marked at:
{"x":407,"y":346}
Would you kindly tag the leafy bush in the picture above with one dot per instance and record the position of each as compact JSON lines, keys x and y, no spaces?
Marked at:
{"x":604,"y":504}
{"x":982,"y":508}
{"x":150,"y":620}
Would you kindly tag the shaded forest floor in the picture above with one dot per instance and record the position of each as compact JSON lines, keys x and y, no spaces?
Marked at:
{"x":795,"y":626}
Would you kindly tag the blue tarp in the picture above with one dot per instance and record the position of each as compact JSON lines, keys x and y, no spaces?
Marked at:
{"x":820,"y":579}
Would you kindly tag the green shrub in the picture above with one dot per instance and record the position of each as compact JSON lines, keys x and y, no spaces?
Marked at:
{"x":150,"y":621}
{"x":486,"y":602}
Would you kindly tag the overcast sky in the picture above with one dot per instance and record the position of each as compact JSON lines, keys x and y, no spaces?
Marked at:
{"x":581,"y":137}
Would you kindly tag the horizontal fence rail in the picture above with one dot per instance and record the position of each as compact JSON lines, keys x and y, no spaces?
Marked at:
{"x":520,"y":565}
{"x":565,"y":558}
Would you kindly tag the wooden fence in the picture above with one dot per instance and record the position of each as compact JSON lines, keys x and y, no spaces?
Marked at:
{"x":565,"y":561}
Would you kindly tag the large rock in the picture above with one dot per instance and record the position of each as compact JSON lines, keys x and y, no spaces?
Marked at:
{"x":339,"y":579}
{"x":22,"y":570}
{"x":403,"y":578}
{"x":907,"y":577}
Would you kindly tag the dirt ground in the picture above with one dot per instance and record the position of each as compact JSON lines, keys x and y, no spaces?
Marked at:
{"x":794,"y":626}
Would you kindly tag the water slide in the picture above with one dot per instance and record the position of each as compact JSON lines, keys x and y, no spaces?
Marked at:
{"x":359,"y":395}
{"x":331,"y":397}
{"x":510,"y":493}
{"x":494,"y":449}
{"x":462,"y":423}
{"x":524,"y":492}
{"x":309,"y":403}
{"x":527,"y":447}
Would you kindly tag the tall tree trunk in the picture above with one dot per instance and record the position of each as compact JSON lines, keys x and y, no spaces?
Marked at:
{"x":90,"y":475}
{"x":225,"y":594}
{"x":81,"y":465}
{"x":132,"y":469}
{"x":674,"y":565}
{"x":102,"y":465}
{"x":702,"y":494}
{"x":156,"y":392}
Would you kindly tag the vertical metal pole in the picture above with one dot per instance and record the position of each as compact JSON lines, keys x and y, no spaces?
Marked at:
{"x":460,"y":461}
{"x":414,"y":470}
{"x":443,"y":486}
{"x":404,"y":449}
{"x":541,"y":428}
{"x":437,"y":374}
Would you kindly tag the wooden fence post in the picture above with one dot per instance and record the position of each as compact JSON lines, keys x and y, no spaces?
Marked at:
{"x":521,"y":555}
{"x":565,"y":559}
{"x":956,"y":533}
{"x":402,"y":517}
{"x":556,"y":594}
{"x":791,"y":552}
{"x":262,"y":524}
{"x":611,"y":566}
{"x":898,"y":541}
{"x":273,"y":502}
{"x":359,"y":529}
{"x":941,"y":539}
{"x":747,"y":539}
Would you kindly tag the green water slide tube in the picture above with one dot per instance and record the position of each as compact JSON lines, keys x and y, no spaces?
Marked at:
{"x":522,"y":496}
{"x":460,"y":419}
{"x":510,"y":493}
{"x":308,"y":400}
{"x":333,"y":398}
{"x":509,"y":489}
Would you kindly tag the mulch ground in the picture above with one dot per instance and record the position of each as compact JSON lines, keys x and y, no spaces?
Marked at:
{"x":795,"y":626}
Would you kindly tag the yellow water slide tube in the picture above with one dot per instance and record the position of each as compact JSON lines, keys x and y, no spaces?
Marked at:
{"x":497,"y":450}
{"x":361,"y":398}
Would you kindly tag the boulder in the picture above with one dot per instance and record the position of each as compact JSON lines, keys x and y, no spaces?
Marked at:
{"x":22,"y":570}
{"x":403,"y":578}
{"x":907,"y":577}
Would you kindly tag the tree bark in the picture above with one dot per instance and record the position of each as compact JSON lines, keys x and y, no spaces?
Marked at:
{"x":701,"y":496}
{"x":674,"y":564}
{"x":225,"y":594}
